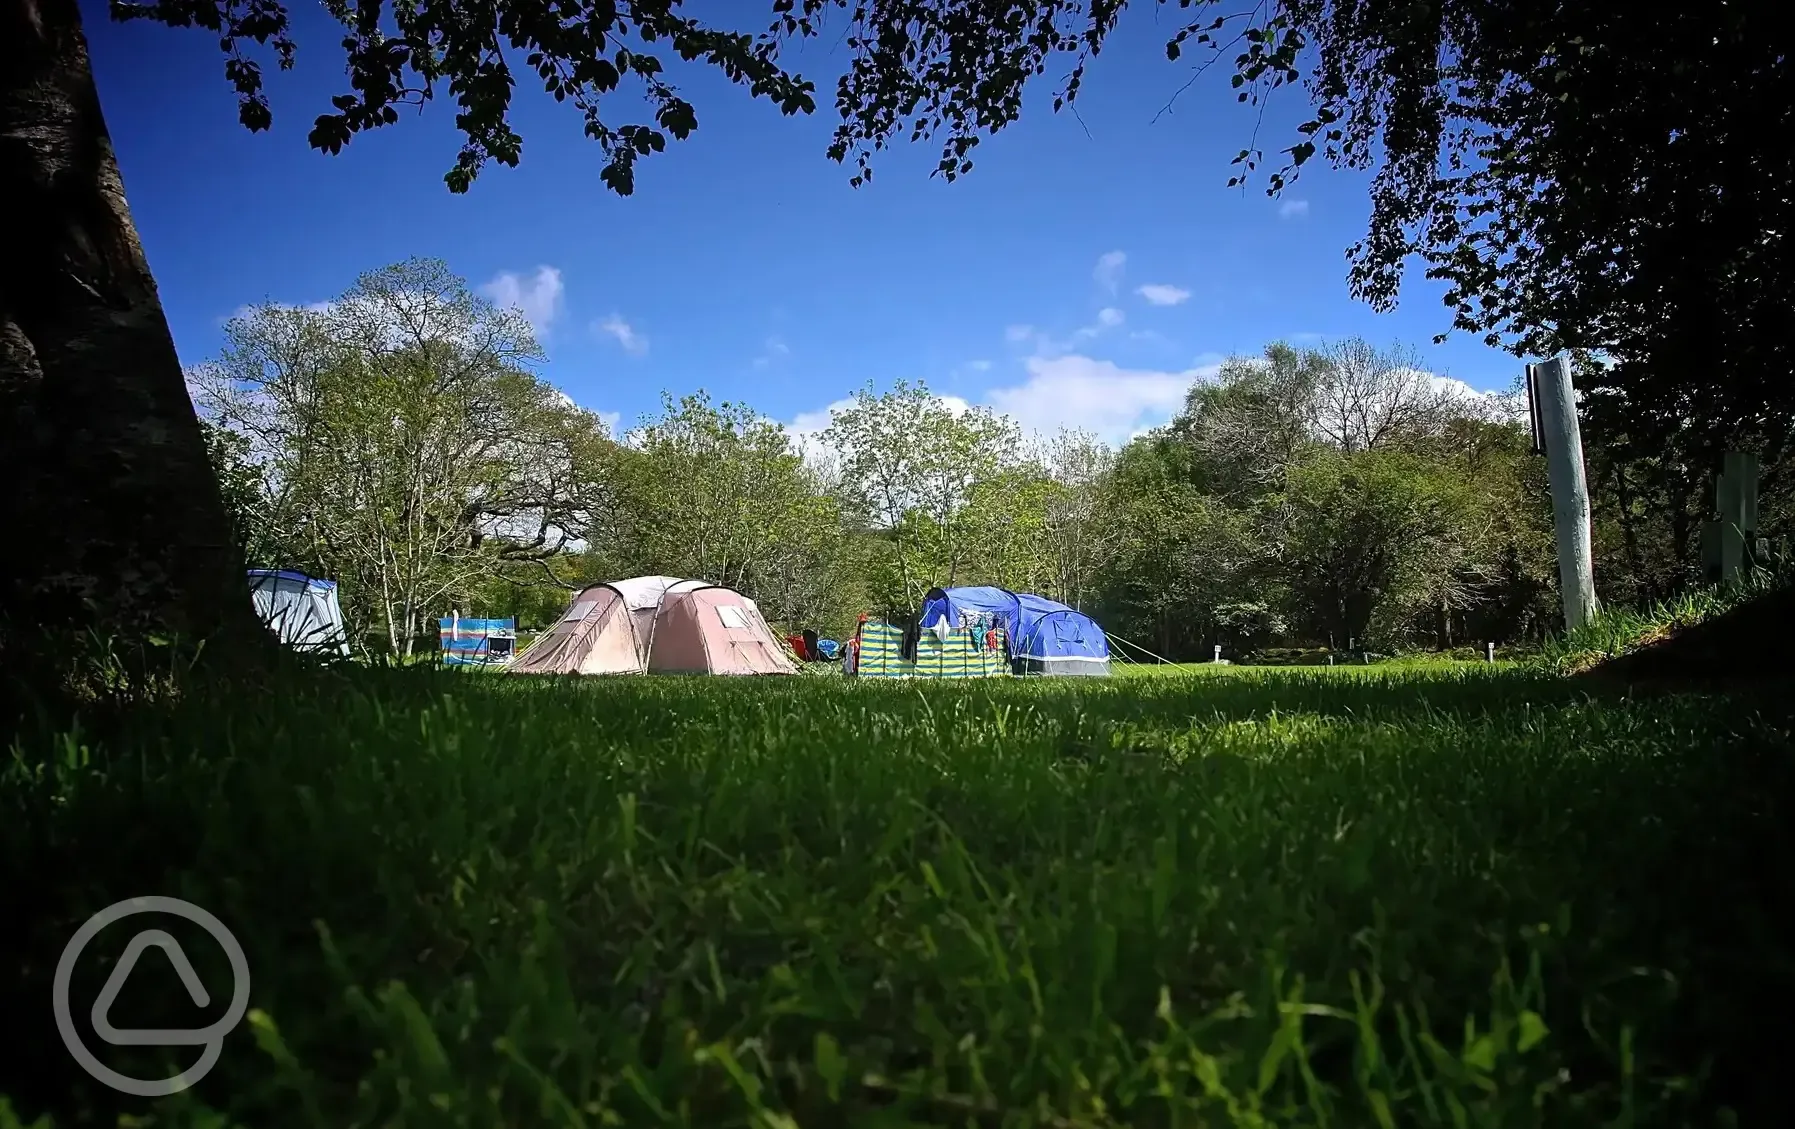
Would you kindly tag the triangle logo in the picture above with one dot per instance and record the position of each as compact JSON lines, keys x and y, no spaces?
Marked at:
{"x":149,"y":1037}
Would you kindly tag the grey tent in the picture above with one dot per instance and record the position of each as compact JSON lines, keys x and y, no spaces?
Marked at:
{"x":301,"y":610}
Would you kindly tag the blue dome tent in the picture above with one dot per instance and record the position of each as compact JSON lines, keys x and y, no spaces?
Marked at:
{"x":1046,"y":637}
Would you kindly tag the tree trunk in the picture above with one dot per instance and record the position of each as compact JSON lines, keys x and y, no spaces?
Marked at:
{"x":392,"y":630}
{"x":109,"y":477}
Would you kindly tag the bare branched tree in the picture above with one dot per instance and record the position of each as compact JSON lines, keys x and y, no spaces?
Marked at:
{"x":1366,"y":398}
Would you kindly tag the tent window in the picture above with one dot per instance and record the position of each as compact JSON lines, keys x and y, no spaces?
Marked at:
{"x":733,"y":616}
{"x":579,"y":611}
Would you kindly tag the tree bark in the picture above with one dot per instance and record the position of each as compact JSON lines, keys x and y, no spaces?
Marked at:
{"x":109,"y":482}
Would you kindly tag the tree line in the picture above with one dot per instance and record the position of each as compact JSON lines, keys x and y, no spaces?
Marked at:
{"x":400,"y":441}
{"x":1598,"y":178}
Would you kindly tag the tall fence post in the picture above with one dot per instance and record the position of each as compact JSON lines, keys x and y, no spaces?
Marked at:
{"x":1729,"y":539}
{"x":1554,"y":404}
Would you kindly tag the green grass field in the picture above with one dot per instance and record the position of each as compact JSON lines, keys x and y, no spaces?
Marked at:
{"x":1386,"y":896}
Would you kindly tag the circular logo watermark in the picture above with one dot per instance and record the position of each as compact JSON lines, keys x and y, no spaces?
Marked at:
{"x":210,"y":1037}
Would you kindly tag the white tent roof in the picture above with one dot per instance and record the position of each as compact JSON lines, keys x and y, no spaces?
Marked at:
{"x":648,"y":591}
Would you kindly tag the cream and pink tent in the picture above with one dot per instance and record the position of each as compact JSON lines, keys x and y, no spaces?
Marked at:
{"x":658,"y":624}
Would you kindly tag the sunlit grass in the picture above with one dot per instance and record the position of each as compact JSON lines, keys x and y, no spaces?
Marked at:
{"x":1615,"y":632}
{"x":1445,"y":896}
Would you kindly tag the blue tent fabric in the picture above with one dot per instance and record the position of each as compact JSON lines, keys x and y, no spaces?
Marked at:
{"x":1047,"y":637}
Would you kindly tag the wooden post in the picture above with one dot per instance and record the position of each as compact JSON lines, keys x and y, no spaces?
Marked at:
{"x":1729,"y":538}
{"x":1555,"y":401}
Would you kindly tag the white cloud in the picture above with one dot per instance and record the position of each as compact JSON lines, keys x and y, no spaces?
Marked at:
{"x":807,"y":425}
{"x":538,"y":298}
{"x":979,"y":366}
{"x":1161,"y":294}
{"x":611,"y":420}
{"x":774,"y":349}
{"x":1111,"y":402}
{"x":1482,"y":403}
{"x":1292,"y":208}
{"x":1109,"y":270}
{"x":1042,"y":344}
{"x":1454,"y":387}
{"x":625,"y":334}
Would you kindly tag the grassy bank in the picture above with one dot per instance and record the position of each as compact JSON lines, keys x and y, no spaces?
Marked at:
{"x":1450,"y":896}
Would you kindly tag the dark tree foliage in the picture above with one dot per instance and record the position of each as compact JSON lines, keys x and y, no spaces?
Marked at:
{"x":239,"y":484}
{"x":403,"y":54}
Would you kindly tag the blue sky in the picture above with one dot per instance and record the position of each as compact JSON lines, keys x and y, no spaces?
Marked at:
{"x":1087,"y":270}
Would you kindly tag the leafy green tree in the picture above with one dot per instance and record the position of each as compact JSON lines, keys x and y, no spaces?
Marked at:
{"x":1243,"y":429}
{"x":717,"y":492}
{"x":404,"y":447}
{"x":1009,"y":523}
{"x":535,"y":593}
{"x":1375,"y":537}
{"x":818,"y":576}
{"x":245,"y":503}
{"x":1338,"y":492}
{"x":1077,"y":515}
{"x":1185,"y":567}
{"x":911,"y":465}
